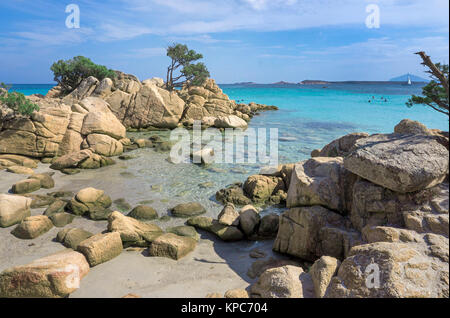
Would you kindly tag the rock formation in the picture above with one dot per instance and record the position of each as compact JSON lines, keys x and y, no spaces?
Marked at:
{"x":372,"y":213}
{"x":147,"y":104}
{"x":79,"y":134}
{"x":55,"y":276}
{"x":85,"y":127}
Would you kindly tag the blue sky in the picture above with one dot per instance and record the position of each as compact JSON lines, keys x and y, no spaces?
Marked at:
{"x":242,"y":40}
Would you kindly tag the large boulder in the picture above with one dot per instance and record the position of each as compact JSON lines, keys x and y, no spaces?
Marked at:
{"x":103,"y":123}
{"x":224,"y":232}
{"x":229,"y":215}
{"x":38,"y":136}
{"x":411,"y":127}
{"x":13,"y":209}
{"x":143,"y":212}
{"x":402,"y":163}
{"x":101,"y":248}
{"x":84,"y":159}
{"x":322,"y":271}
{"x":133,"y":232}
{"x":312,"y":232}
{"x":54,"y":276}
{"x":321,"y":181}
{"x":261,"y":188}
{"x":172,"y":246}
{"x":233,"y":194}
{"x":46,"y":181}
{"x":386,"y":270}
{"x":283,"y":282}
{"x":231,"y":121}
{"x":61,"y":219}
{"x":104,"y":145}
{"x":375,"y":205}
{"x":26,"y":186}
{"x":206,"y":100}
{"x":147,"y":105}
{"x":32,"y":227}
{"x":186,"y":210}
{"x":91,"y":201}
{"x":341,"y":146}
{"x":15,"y":160}
{"x":268,"y":226}
{"x":249,"y":219}
{"x":20,"y":170}
{"x":72,"y":237}
{"x":63,"y":127}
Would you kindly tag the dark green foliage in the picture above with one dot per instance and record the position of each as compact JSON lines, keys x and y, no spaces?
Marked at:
{"x":435,"y":94}
{"x":193,"y":74}
{"x":70,"y":73}
{"x":17,"y":102}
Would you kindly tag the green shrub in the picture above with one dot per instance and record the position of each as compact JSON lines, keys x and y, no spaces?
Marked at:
{"x":17,"y":102}
{"x":70,"y":73}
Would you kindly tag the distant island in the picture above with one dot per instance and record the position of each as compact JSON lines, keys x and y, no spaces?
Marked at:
{"x":397,"y":80}
{"x":313,"y":82}
{"x":283,"y":83}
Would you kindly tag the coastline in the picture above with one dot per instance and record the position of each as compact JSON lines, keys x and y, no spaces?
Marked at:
{"x":149,"y":177}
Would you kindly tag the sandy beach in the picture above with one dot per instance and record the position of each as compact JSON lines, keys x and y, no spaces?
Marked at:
{"x":214,"y":266}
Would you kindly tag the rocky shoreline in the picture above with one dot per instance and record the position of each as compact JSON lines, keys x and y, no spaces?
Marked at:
{"x":360,"y":201}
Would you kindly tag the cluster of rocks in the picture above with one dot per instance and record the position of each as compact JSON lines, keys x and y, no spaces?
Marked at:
{"x":17,"y":164}
{"x":259,"y":189}
{"x":208,"y":104}
{"x":44,"y":277}
{"x":232,"y":225}
{"x":83,"y":129}
{"x":148,"y":105}
{"x":82,"y":134}
{"x":367,"y":202}
{"x":34,"y":182}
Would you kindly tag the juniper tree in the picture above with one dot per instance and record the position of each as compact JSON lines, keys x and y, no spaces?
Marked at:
{"x":435,"y":93}
{"x":182,"y":60}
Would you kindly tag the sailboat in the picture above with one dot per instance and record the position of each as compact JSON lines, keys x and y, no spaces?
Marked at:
{"x":409,"y":80}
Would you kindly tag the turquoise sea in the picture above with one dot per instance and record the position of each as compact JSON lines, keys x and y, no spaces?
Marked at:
{"x":311,"y":116}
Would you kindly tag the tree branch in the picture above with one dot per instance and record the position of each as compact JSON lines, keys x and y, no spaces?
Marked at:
{"x":434,"y":70}
{"x":437,"y":109}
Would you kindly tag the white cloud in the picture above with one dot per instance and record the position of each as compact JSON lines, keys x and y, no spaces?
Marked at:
{"x":386,"y":49}
{"x":50,"y":37}
{"x":195,"y":20}
{"x":199,"y":16}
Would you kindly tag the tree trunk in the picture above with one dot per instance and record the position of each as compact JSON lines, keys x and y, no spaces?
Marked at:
{"x":434,"y":70}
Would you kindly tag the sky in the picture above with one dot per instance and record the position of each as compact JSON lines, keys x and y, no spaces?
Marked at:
{"x":261,"y":41}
